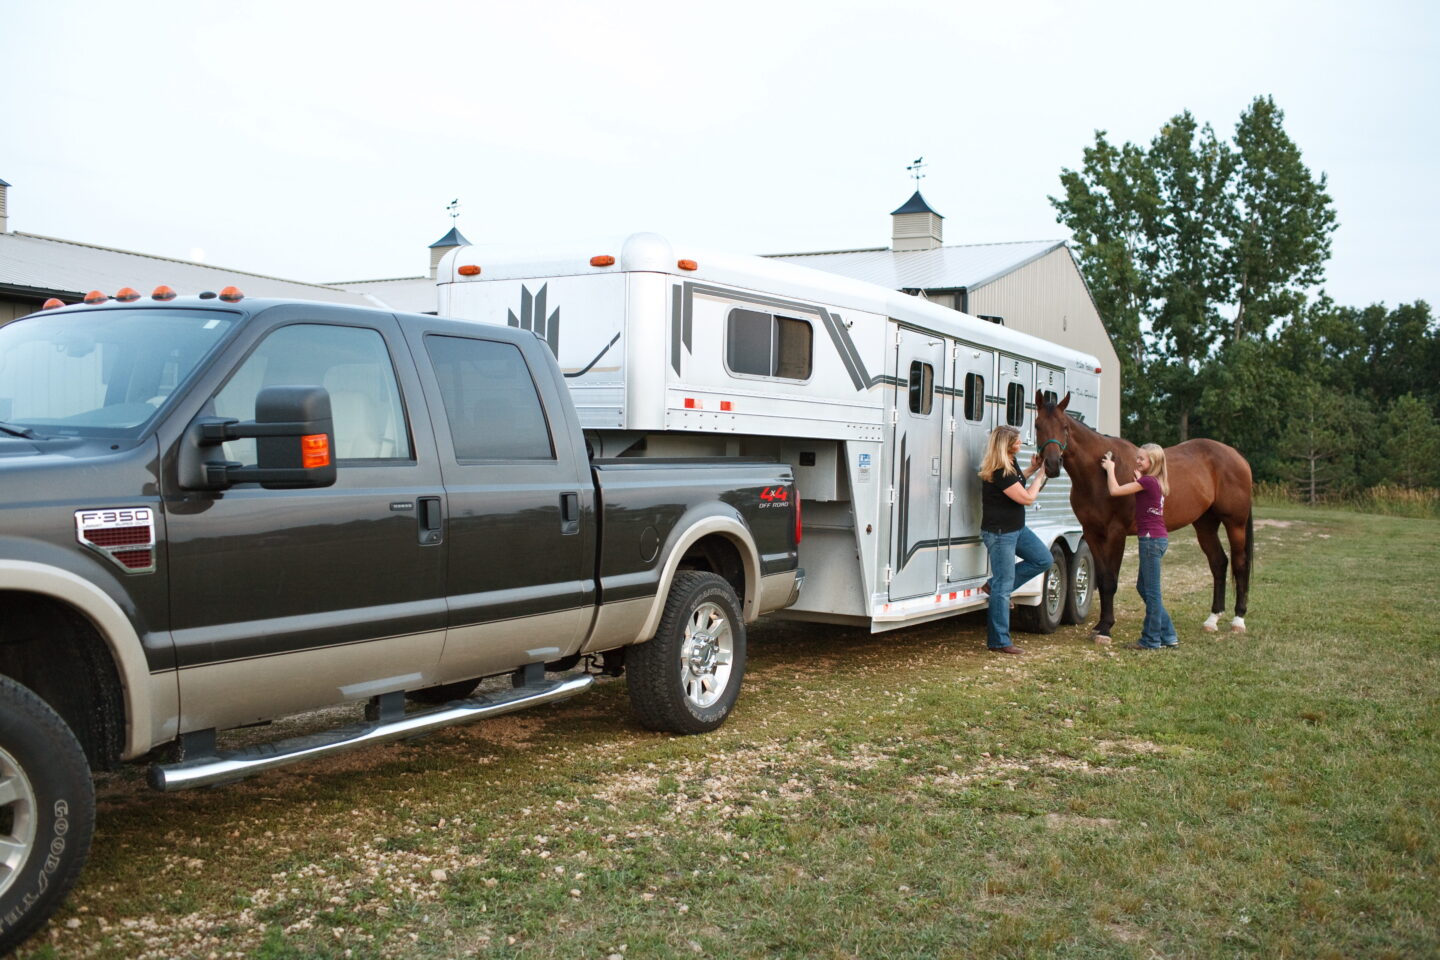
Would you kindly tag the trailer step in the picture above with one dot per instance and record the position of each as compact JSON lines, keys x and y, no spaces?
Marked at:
{"x":228,"y":766}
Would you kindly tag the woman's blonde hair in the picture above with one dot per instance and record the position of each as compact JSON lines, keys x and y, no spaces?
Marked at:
{"x":1158,"y":469}
{"x":997,"y":453}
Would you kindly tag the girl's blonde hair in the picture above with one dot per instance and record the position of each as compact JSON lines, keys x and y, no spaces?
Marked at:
{"x":1158,"y":469}
{"x":997,"y":453}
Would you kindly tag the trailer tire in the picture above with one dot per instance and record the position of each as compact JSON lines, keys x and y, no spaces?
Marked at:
{"x":687,"y":677}
{"x":47,"y":812}
{"x":1080,"y":596}
{"x":1045,"y":616}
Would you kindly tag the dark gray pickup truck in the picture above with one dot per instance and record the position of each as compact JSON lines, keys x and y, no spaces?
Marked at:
{"x":215,"y":512}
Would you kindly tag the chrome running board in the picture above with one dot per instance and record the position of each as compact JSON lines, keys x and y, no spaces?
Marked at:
{"x":228,"y":766}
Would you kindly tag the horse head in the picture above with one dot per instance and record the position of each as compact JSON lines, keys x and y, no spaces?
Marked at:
{"x":1052,"y":431}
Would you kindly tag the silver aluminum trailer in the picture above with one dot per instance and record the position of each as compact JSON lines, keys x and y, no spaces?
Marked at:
{"x":880,"y":401}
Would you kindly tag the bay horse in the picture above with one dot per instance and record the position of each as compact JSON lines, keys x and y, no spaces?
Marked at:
{"x":1209,"y":486}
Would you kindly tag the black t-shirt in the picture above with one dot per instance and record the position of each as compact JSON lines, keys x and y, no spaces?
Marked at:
{"x":998,"y":513}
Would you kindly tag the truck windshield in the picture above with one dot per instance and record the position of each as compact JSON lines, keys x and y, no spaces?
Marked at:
{"x":100,"y":373}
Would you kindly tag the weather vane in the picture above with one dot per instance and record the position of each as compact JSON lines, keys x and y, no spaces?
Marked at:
{"x":454,"y":208}
{"x":914,"y":169}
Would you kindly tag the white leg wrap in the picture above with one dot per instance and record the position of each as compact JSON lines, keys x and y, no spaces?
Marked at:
{"x":1211,"y":624}
{"x":1237,"y":625}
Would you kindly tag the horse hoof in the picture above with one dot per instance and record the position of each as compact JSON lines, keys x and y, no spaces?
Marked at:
{"x":1209,"y":628}
{"x":1239,"y":629}
{"x":1101,"y":640}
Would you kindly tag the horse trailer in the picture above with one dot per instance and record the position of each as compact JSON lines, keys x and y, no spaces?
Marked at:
{"x":880,"y":401}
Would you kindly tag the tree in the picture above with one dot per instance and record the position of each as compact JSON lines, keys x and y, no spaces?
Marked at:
{"x":1412,"y":443}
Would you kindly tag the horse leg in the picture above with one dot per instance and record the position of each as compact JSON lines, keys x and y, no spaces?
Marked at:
{"x":1242,"y":549}
{"x":1206,"y":532}
{"x":1108,"y":551}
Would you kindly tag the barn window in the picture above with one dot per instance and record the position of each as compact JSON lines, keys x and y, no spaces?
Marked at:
{"x":764,"y":345}
{"x":1015,"y":404}
{"x":974,"y":397}
{"x":922,"y":387}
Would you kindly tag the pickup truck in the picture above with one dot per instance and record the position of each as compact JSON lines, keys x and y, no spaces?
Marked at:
{"x":219,"y":511}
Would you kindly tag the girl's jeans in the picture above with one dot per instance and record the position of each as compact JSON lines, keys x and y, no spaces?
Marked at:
{"x":1006,"y":575}
{"x":1158,"y":630}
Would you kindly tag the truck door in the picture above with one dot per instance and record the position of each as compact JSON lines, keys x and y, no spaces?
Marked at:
{"x":917,"y":453}
{"x":268,"y":587}
{"x":520,"y":578}
{"x":974,"y":418}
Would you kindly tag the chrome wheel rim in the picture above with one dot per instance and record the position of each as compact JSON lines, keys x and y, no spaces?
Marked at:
{"x":1080,"y":587}
{"x":706,"y":655}
{"x":17,"y":801}
{"x":1054,"y":593}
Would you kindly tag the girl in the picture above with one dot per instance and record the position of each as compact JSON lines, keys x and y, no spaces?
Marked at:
{"x":1151,"y":486}
{"x":1003,"y":500}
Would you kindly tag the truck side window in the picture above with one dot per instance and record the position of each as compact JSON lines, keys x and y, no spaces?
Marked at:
{"x":760,"y":344}
{"x":351,"y":363}
{"x":490,"y":400}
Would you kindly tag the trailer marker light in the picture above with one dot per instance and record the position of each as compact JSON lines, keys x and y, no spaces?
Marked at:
{"x":127,"y":295}
{"x":52,"y":303}
{"x":692,"y":404}
{"x":231,"y":295}
{"x":1097,"y":369}
{"x":602,"y":260}
{"x":687,"y":265}
{"x":726,"y":405}
{"x":162,"y":292}
{"x":469,"y":270}
{"x":315,"y":450}
{"x":95,"y":296}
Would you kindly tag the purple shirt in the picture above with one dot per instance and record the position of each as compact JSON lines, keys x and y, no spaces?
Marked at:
{"x":1150,"y":508}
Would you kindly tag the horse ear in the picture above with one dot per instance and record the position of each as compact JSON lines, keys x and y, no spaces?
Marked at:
{"x":1063,"y":403}
{"x":1039,"y":399}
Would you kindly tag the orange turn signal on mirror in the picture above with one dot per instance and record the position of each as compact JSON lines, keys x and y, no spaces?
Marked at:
{"x":52,"y":303}
{"x":315,"y":450}
{"x":603,"y":260}
{"x":162,"y":292}
{"x":469,"y":270}
{"x":127,"y":295}
{"x":688,"y":265}
{"x":231,"y":295}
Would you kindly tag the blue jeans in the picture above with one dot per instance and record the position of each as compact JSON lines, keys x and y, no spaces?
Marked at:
{"x":1158,"y":631}
{"x":1006,"y":575}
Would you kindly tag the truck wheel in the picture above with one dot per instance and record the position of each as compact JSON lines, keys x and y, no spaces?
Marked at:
{"x":1081,"y":595}
{"x":47,"y":812}
{"x":686,"y":678}
{"x":1045,"y":618}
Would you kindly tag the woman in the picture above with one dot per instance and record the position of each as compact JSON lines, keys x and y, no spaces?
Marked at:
{"x":1003,"y":500}
{"x":1151,"y":486}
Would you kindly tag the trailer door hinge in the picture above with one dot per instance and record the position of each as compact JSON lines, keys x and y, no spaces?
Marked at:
{"x":890,"y":496}
{"x":894,"y":416}
{"x":887,"y":575}
{"x":949,"y":500}
{"x":947,"y":569}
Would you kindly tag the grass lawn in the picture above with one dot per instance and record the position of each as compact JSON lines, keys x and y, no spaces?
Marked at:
{"x":902,"y":795}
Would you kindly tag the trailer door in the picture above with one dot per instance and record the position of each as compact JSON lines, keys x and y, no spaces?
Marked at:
{"x":917,"y":450}
{"x":974,"y":417}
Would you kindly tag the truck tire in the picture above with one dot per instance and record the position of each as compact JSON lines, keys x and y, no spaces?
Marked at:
{"x":1045,"y":618}
{"x":47,"y":812}
{"x":687,"y":677}
{"x":1080,"y":597}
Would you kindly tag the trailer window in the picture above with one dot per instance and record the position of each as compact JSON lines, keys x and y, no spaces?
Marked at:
{"x":490,"y":400}
{"x":764,"y":345}
{"x":922,"y":387}
{"x":1015,"y":404}
{"x":1049,"y":396}
{"x":974,"y":397}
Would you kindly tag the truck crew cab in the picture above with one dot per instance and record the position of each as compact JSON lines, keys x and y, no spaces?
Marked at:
{"x":219,"y":511}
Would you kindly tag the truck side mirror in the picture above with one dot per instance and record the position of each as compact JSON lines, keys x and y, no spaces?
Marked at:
{"x":294,"y":444}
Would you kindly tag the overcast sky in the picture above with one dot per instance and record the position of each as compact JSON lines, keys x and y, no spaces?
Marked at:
{"x":322,"y":140}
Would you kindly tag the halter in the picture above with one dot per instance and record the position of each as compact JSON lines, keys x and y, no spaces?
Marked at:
{"x":1057,"y":443}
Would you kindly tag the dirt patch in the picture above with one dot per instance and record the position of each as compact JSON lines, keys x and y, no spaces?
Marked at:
{"x":1278,"y":523}
{"x":1061,"y":821}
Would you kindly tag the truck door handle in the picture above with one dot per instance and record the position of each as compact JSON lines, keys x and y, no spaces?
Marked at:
{"x":431,"y":521}
{"x":569,"y":514}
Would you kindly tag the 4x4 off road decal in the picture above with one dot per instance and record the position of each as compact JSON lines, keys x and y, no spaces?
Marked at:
{"x":532,"y":317}
{"x":774,"y":497}
{"x":126,"y":535}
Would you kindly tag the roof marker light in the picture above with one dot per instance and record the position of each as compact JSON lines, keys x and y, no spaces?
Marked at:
{"x":687,"y":265}
{"x":95,"y":296}
{"x":726,"y":405}
{"x":162,"y":292}
{"x":231,"y":295}
{"x":602,"y":260}
{"x":469,"y":270}
{"x":127,"y":295}
{"x":52,"y":303}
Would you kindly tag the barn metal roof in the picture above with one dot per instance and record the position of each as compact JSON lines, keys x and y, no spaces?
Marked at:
{"x":53,"y":266}
{"x":969,"y":265}
{"x":403,"y":294}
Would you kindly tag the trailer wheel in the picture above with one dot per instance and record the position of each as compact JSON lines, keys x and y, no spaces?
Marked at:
{"x":1045,"y":617}
{"x":47,"y":812}
{"x":687,"y":677}
{"x":1081,"y":595}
